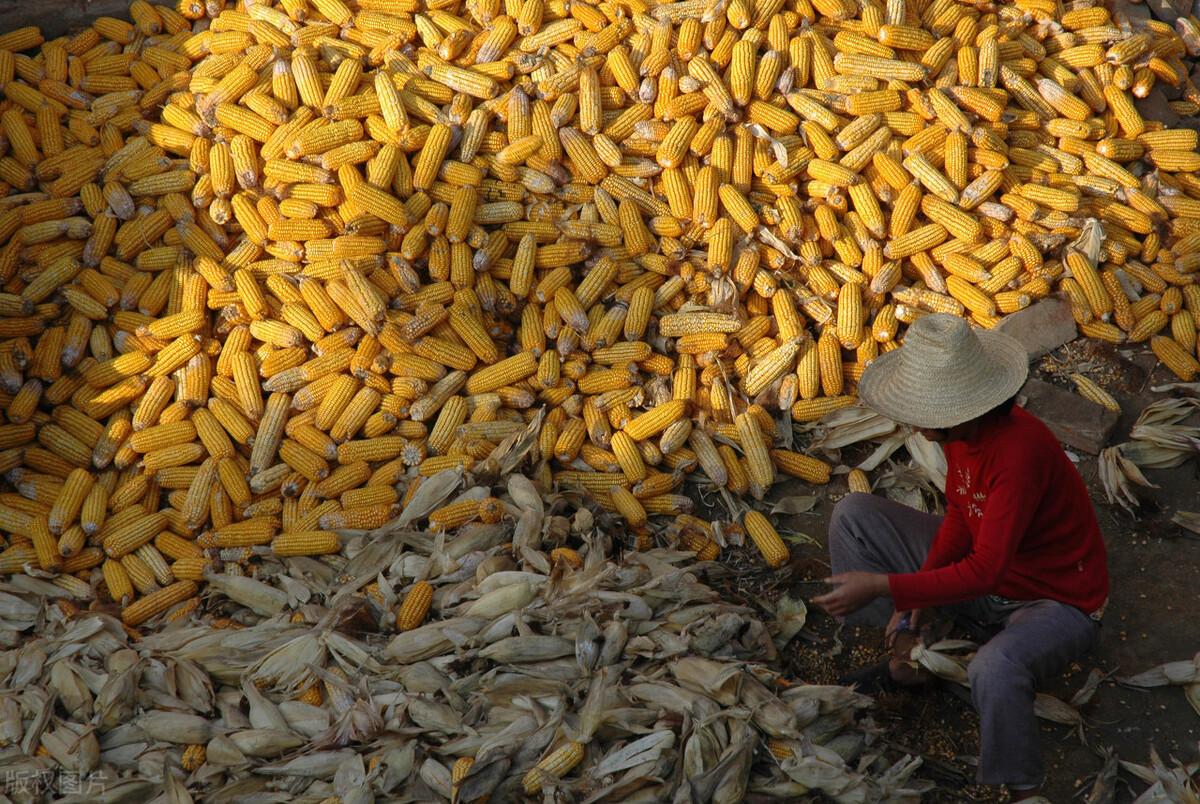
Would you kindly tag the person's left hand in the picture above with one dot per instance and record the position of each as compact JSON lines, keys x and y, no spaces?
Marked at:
{"x":854,"y":590}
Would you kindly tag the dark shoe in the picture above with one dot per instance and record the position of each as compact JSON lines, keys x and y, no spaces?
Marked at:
{"x":957,"y":690}
{"x":871,"y":680}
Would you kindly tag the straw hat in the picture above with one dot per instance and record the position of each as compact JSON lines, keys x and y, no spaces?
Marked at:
{"x":946,"y":373}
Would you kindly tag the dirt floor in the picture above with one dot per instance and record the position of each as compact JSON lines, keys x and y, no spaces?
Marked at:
{"x":1151,"y":619}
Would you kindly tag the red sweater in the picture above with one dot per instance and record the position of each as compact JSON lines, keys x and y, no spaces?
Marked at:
{"x":1019,"y":524}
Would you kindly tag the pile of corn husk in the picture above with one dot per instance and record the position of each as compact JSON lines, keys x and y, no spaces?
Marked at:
{"x":291,"y":683}
{"x":1177,"y":783}
{"x":1184,"y":673}
{"x":674,"y":691}
{"x":1159,"y":439}
{"x":918,"y":482}
{"x":1169,"y":784}
{"x":668,"y":685}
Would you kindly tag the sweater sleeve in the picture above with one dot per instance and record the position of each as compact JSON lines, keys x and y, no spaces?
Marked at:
{"x":952,"y":541}
{"x":1012,"y":499}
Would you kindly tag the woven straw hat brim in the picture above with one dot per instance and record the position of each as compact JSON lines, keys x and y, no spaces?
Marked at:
{"x":914,"y":393}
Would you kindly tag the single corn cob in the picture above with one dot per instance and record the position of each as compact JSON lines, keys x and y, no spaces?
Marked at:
{"x":157,"y":602}
{"x":766,"y":539}
{"x":1092,"y":392}
{"x":556,"y":764}
{"x":1182,"y":365}
{"x":567,"y":555}
{"x":415,"y":607}
{"x":804,"y":467}
{"x":314,"y":543}
{"x":758,"y":462}
{"x":858,"y":481}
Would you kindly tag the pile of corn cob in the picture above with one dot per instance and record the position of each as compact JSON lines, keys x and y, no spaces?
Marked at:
{"x":264,"y":264}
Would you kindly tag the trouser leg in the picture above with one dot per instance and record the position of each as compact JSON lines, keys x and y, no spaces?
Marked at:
{"x":1037,"y":642}
{"x":875,"y":534}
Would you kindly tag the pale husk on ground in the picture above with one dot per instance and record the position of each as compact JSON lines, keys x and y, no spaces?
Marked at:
{"x":666,"y":685}
{"x":670,"y":688}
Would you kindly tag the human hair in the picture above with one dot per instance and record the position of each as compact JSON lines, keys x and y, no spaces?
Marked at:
{"x":1003,"y":409}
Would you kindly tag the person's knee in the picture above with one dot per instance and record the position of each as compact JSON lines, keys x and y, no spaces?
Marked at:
{"x":852,"y":508}
{"x":980,"y":673}
{"x":991,"y":669}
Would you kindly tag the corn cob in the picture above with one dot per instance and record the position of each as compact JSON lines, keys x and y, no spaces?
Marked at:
{"x":1092,"y":392}
{"x":138,"y":307}
{"x":858,"y":481}
{"x":556,"y":764}
{"x":804,"y":467}
{"x":1182,"y":365}
{"x":766,"y":539}
{"x":415,"y":607}
{"x":157,"y":602}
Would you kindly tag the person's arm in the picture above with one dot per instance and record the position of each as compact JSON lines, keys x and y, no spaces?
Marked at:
{"x":952,"y":541}
{"x":857,"y":589}
{"x":1012,"y":499}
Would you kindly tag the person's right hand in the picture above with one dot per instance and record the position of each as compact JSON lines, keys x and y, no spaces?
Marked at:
{"x":900,"y":644}
{"x":894,"y":623}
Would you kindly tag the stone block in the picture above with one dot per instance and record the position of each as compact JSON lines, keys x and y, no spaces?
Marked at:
{"x":1157,"y":106}
{"x":1168,"y":10}
{"x":1074,"y":420}
{"x":1041,"y":327}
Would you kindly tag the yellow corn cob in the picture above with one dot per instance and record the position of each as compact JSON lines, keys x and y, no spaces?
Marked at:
{"x":567,"y":555}
{"x":628,"y":456}
{"x":505,"y":372}
{"x":1092,"y":392}
{"x":628,"y":506}
{"x":70,"y":501}
{"x":453,"y":515}
{"x":415,"y":607}
{"x":1182,"y":365}
{"x":157,"y":602}
{"x":459,"y":771}
{"x":1089,"y":281}
{"x":1148,"y":325}
{"x":858,"y":481}
{"x":759,"y":466}
{"x":705,"y":548}
{"x":811,"y":410}
{"x":1183,"y":330}
{"x":193,"y":757}
{"x":191,"y":568}
{"x":556,"y":764}
{"x":313,"y":543}
{"x":656,"y":420}
{"x":679,"y":324}
{"x":771,"y":367}
{"x":804,"y":467}
{"x":766,"y":539}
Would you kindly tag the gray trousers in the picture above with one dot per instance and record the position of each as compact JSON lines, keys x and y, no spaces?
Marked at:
{"x":1036,"y":641}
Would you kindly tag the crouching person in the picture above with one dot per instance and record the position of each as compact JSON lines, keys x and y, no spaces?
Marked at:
{"x":1018,"y":552}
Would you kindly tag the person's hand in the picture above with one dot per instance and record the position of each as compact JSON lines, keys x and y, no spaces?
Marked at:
{"x":894,"y":624}
{"x":854,"y":590}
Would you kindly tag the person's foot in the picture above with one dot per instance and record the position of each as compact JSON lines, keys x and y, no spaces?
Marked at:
{"x":1024,"y":795}
{"x":899,"y":670}
{"x":903,"y":670}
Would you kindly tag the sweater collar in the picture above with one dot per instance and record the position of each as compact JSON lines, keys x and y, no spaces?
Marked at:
{"x":988,"y":431}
